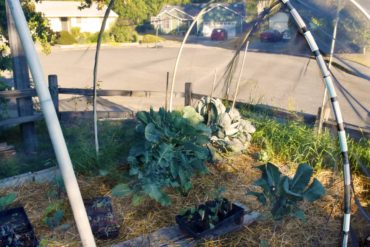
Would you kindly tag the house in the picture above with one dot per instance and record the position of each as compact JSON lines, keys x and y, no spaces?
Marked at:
{"x":177,"y":19}
{"x":279,"y":21}
{"x":65,"y":15}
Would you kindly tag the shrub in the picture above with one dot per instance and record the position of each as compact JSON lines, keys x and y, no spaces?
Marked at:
{"x":148,"y":38}
{"x":168,"y":152}
{"x":65,"y":38}
{"x":93,"y":38}
{"x":124,"y":32}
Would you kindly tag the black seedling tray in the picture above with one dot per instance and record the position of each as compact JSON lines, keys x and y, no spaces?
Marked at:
{"x":102,"y":220}
{"x":235,"y":216}
{"x":15,"y":229}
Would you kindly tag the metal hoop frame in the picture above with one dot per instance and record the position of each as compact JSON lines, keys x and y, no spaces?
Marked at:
{"x":334,"y":101}
{"x":338,"y":116}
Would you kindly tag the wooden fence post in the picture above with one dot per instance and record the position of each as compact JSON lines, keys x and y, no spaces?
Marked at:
{"x":54,"y":91}
{"x":21,"y":81}
{"x":167,"y":81}
{"x":188,"y":93}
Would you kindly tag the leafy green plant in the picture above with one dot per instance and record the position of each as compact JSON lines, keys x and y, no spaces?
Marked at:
{"x":65,"y":38}
{"x":284,"y":193}
{"x":229,"y":131}
{"x":7,"y":200}
{"x":148,"y":38}
{"x":123,"y":32}
{"x":53,"y":215}
{"x":297,"y":142}
{"x":208,"y":215}
{"x":168,"y":151}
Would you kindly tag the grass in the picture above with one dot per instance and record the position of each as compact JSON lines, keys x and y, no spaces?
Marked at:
{"x":114,"y":141}
{"x":296,"y":142}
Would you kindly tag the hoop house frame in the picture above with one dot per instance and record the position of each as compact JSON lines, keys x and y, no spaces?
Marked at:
{"x":334,"y":101}
{"x":338,"y":117}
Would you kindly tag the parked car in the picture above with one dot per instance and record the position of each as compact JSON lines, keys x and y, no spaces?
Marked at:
{"x":271,"y":35}
{"x":219,"y":34}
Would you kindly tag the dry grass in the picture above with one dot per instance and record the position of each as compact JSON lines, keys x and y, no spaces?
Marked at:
{"x":322,"y":227}
{"x":363,"y":59}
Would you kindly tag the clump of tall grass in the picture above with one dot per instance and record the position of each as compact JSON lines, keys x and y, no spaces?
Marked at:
{"x":294,"y":141}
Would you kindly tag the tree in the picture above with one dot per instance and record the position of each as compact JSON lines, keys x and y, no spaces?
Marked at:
{"x":39,"y":28}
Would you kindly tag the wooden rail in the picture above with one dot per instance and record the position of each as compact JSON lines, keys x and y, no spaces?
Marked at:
{"x":188,"y":95}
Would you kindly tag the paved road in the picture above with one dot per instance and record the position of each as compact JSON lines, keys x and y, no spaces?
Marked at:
{"x":289,"y":82}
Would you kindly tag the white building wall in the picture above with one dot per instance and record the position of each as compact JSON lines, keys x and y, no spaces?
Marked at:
{"x":55,"y":24}
{"x":86,"y":24}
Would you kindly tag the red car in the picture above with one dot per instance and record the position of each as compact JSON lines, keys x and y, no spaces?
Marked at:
{"x":271,"y":35}
{"x":219,"y":34}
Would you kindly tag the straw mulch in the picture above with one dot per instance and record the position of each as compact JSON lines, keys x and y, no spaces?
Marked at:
{"x":321,"y":228}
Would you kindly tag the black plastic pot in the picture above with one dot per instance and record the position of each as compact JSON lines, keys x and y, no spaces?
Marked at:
{"x":103,"y":222}
{"x":15,"y":229}
{"x":233,"y":217}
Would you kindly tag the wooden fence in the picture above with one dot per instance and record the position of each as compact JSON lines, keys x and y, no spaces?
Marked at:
{"x":188,"y":95}
{"x":55,"y":91}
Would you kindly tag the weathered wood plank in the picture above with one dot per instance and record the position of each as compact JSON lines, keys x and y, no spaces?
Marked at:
{"x":21,"y":82}
{"x":113,"y":92}
{"x":18,"y":93}
{"x":66,"y":116}
{"x":6,"y":151}
{"x":43,"y":176}
{"x":20,"y":120}
{"x":173,"y":236}
{"x":188,"y":94}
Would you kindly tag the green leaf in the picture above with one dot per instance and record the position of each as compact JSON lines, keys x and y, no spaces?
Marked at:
{"x":301,"y":178}
{"x":143,"y":117}
{"x":7,"y":200}
{"x":299,"y":214}
{"x":151,"y":133}
{"x":154,"y":192}
{"x":264,"y":243}
{"x":137,"y":199}
{"x":272,"y":174}
{"x":260,"y":196}
{"x":292,"y":194}
{"x":121,"y":190}
{"x":314,"y":192}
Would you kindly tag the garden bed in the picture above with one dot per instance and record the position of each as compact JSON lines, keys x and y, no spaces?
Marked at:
{"x":236,"y":175}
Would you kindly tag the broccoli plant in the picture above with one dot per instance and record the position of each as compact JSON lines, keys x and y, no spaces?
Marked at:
{"x":169,"y":150}
{"x":284,"y":193}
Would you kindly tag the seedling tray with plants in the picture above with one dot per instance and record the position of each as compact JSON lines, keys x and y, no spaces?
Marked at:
{"x":103,"y":222}
{"x":15,"y":229}
{"x":205,"y":219}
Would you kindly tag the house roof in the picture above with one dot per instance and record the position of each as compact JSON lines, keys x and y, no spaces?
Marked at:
{"x":191,"y":10}
{"x":70,"y":9}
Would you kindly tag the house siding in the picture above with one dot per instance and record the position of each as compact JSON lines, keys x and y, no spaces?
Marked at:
{"x":86,"y":24}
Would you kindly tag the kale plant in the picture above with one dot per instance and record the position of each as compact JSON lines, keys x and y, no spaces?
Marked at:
{"x":168,"y":152}
{"x":284,"y":193}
